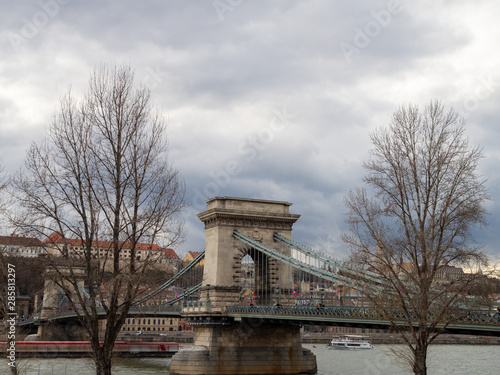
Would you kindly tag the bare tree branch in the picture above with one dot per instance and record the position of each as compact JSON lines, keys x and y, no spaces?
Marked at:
{"x":102,"y":176}
{"x":425,"y":196}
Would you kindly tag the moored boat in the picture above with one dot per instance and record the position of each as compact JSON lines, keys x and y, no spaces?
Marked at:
{"x":349,"y":342}
{"x":83,"y":349}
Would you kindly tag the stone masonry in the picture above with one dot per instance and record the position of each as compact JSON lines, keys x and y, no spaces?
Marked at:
{"x":248,"y":346}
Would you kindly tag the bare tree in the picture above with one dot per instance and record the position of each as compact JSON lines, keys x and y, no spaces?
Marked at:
{"x":3,"y":248}
{"x":425,"y":197}
{"x":4,"y":265}
{"x":103,"y":177}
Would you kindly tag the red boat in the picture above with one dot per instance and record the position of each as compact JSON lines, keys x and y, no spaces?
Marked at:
{"x":83,"y":349}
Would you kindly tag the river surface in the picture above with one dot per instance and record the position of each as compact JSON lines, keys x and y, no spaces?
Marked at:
{"x":443,"y":360}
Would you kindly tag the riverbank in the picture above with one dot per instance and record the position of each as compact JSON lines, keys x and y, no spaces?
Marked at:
{"x":314,"y":338}
{"x":392,"y":338}
{"x":442,"y":360}
{"x":324,"y":338}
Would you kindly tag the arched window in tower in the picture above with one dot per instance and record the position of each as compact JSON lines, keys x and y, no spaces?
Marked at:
{"x":247,"y":280}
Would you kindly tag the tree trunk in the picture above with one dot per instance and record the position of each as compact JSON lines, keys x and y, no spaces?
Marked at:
{"x":103,"y":362}
{"x":420,"y":360}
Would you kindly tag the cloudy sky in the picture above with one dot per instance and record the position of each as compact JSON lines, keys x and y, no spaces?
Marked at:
{"x":264,"y":99}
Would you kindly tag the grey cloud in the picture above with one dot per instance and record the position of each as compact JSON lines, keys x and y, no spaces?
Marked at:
{"x":218,"y":80}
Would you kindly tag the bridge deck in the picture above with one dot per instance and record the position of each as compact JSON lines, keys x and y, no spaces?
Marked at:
{"x":477,"y":323}
{"x":488,"y":325}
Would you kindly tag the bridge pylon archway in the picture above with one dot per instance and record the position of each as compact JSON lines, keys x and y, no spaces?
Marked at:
{"x":222,"y":346}
{"x":53,"y":295}
{"x":258,"y":219}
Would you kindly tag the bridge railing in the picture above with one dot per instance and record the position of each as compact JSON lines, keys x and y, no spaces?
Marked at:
{"x":68,"y":313}
{"x":345,"y":312}
{"x":331,"y":311}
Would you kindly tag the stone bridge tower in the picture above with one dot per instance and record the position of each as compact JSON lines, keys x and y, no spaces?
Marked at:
{"x":258,"y":219}
{"x":52,"y":295}
{"x":222,"y":346}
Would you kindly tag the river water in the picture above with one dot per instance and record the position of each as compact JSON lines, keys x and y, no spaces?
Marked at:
{"x":443,"y":360}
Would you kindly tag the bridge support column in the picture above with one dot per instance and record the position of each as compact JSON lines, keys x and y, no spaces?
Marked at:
{"x":49,"y":330}
{"x":244,"y":348}
{"x":68,"y":331}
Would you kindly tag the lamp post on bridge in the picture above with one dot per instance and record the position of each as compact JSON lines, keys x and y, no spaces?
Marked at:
{"x":277,"y":291}
{"x":208,"y":303}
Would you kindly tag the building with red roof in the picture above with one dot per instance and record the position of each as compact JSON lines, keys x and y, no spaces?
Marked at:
{"x":166,"y":259}
{"x":190,"y":257}
{"x":21,"y":246}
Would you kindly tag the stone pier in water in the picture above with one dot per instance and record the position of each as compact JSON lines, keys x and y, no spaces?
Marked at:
{"x":243,"y":349}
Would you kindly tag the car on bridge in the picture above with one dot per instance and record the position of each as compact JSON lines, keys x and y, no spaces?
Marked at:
{"x":138,"y":333}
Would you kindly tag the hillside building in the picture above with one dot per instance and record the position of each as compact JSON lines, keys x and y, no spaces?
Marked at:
{"x":21,"y":246}
{"x":161,"y":258}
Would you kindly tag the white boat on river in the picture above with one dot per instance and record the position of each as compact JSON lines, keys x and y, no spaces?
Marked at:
{"x":349,"y":342}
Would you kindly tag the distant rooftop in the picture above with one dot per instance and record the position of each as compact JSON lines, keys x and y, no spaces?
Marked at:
{"x":19,"y":241}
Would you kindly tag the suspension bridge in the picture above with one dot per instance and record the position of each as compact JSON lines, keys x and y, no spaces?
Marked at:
{"x":258,"y":287}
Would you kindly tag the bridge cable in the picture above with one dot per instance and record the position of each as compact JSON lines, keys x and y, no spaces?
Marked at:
{"x":328,"y":260}
{"x":313,"y":270}
{"x":187,"y":293}
{"x":172,"y":280}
